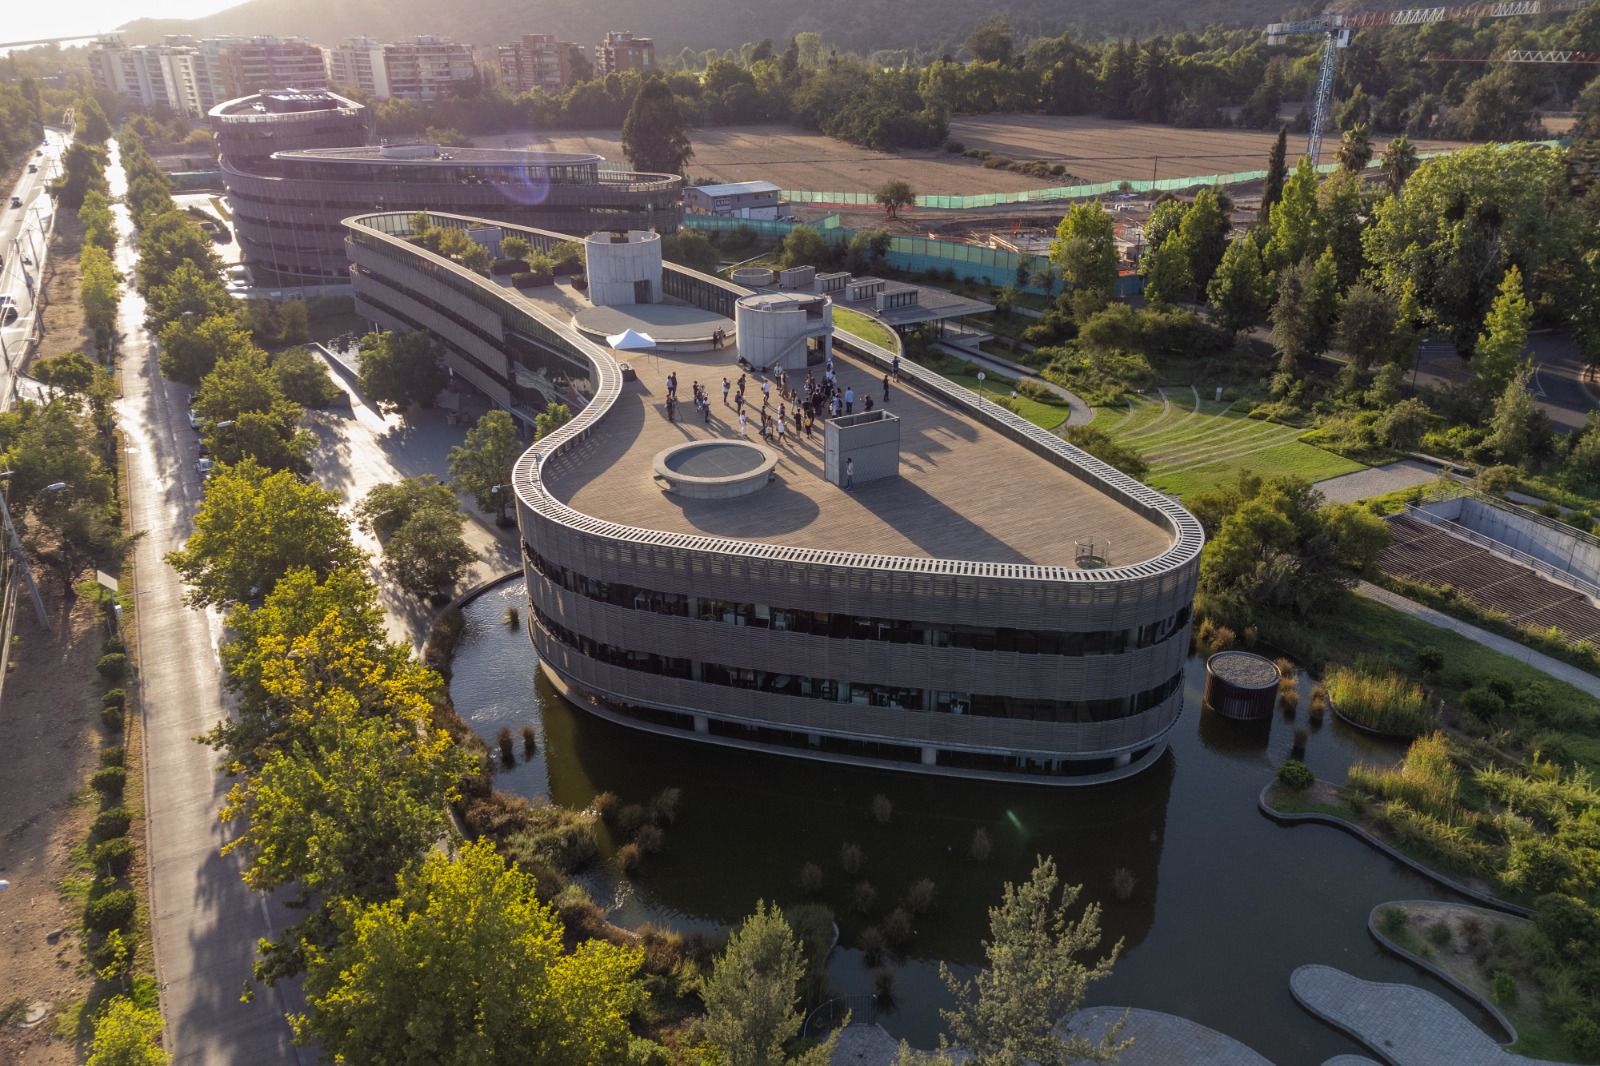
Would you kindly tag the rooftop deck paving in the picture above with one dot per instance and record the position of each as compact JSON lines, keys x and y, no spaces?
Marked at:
{"x":965,"y":492}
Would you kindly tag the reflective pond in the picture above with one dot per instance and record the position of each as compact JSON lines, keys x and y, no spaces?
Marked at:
{"x":1225,"y":903}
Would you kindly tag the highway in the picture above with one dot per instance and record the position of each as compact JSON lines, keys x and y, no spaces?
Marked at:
{"x":24,"y":235}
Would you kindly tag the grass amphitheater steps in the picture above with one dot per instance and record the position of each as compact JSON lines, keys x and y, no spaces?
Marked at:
{"x":1193,"y":444}
{"x":1429,"y":556}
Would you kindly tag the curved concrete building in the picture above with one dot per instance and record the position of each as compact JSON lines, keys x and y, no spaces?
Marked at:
{"x":295,"y":164}
{"x":1005,"y":606}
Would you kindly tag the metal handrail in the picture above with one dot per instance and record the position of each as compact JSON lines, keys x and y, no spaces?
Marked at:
{"x":859,"y":1010}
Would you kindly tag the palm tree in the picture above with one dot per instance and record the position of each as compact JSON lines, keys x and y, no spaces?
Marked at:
{"x":1399,"y":161}
{"x":1355,"y":149}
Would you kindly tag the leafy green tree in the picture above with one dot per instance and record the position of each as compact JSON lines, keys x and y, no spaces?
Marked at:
{"x":1355,"y":149}
{"x":804,"y":246}
{"x":1464,"y":220}
{"x":1164,"y":220}
{"x":1404,"y":423}
{"x":400,"y":370}
{"x":1519,"y":427}
{"x":653,"y":138}
{"x":191,"y":347}
{"x":1205,"y":236}
{"x":1294,"y":225}
{"x":1294,"y":323}
{"x":420,"y":527}
{"x":990,"y":40}
{"x":1324,"y":296}
{"x":514,"y":247}
{"x":1166,"y":272}
{"x":1366,"y":326}
{"x":127,"y":1034}
{"x":1238,"y":291}
{"x":1342,"y":210}
{"x":481,"y":466}
{"x":167,"y":241}
{"x":253,"y":527}
{"x":187,"y":290}
{"x":1505,"y":331}
{"x":692,"y":249}
{"x":1036,"y":975}
{"x":72,"y":372}
{"x":91,"y":120}
{"x":247,"y":415}
{"x":752,"y":997}
{"x":99,"y":293}
{"x":83,"y":167}
{"x":303,"y":378}
{"x":464,"y":967}
{"x":894,"y":195}
{"x":1085,"y":249}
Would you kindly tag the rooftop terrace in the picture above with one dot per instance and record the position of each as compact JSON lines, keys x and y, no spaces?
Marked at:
{"x":965,"y":492}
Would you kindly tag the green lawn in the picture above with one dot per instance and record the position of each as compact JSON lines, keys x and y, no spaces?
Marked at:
{"x":865,"y":327}
{"x":1041,"y":414}
{"x":1192,"y":447}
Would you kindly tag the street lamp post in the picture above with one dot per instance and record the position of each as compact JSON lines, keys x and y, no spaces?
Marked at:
{"x":980,"y":388}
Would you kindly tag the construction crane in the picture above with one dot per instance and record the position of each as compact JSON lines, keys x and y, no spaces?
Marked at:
{"x":1522,"y":55}
{"x":1335,"y":29}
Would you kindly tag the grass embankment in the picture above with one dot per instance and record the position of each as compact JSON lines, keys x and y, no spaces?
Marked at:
{"x":866,"y":327}
{"x":1194,"y":445}
{"x":1041,"y":413}
{"x":1475,"y":947}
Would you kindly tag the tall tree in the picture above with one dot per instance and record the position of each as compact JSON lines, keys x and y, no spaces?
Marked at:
{"x":1324,"y":296}
{"x":1505,"y":332}
{"x":1366,"y":326}
{"x":1294,"y":316}
{"x":990,"y":40}
{"x":1166,"y":272}
{"x":1355,"y":148}
{"x":894,"y":195}
{"x":400,"y":370}
{"x":1036,"y":975}
{"x":253,"y":527}
{"x":652,"y":135}
{"x":1205,"y":236}
{"x":1295,"y":220}
{"x":419,"y":524}
{"x":1085,"y":249}
{"x":1277,"y":171}
{"x":1399,"y":162}
{"x":1519,"y":427}
{"x":1238,"y":290}
{"x":753,"y":996}
{"x":465,"y":967}
{"x":481,"y":466}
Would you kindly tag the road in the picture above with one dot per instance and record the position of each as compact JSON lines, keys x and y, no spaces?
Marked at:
{"x":24,"y":234}
{"x":1556,"y":384}
{"x":205,"y":920}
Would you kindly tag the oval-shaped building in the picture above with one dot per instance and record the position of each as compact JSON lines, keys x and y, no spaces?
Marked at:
{"x":986,"y":600}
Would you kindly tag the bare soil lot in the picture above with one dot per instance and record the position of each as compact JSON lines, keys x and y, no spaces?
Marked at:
{"x":1092,"y":149}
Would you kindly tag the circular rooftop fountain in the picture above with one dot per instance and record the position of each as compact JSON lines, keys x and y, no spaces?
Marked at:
{"x":715,"y":469}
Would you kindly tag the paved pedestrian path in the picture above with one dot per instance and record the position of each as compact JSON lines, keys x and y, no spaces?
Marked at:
{"x":1578,"y":679}
{"x":1082,"y":414}
{"x":1164,"y":1039}
{"x":1405,"y":1026}
{"x":1377,"y":481}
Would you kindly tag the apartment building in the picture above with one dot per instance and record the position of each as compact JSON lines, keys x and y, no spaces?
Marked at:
{"x":417,"y":68}
{"x":155,"y":75}
{"x":229,"y":67}
{"x":536,"y":61}
{"x":622,"y":51}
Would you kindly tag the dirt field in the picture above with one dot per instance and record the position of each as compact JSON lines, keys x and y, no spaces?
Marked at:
{"x":50,"y":739}
{"x":1093,"y":149}
{"x":64,"y":330}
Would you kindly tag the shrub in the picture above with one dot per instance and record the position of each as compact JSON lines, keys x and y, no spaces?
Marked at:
{"x":650,"y":839}
{"x":1033,"y":390}
{"x":606,"y":805}
{"x":114,"y":857}
{"x":1296,"y":775}
{"x":112,"y":822}
{"x":508,"y":752}
{"x":920,"y":896}
{"x":981,"y":847}
{"x":1392,"y":921}
{"x":109,"y":780}
{"x":872,"y":946}
{"x":1583,"y":1036}
{"x":811,"y":879}
{"x":882,"y":809}
{"x":116,"y":697}
{"x":530,"y":742}
{"x":631,"y":818}
{"x":114,"y":910}
{"x":883,"y":987}
{"x":1430,"y":659}
{"x":113,"y":667}
{"x":1123,"y":882}
{"x":111,"y":718}
{"x":866,"y":897}
{"x":897,"y":927}
{"x":851,"y":857}
{"x":664,"y":806}
{"x":111,"y":644}
{"x":113,"y":755}
{"x":1504,"y":988}
{"x":1439,"y":934}
{"x":1482,"y":704}
{"x":628,"y":858}
{"x":954,"y":147}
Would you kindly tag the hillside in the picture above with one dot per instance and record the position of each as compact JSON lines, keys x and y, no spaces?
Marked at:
{"x":700,"y":24}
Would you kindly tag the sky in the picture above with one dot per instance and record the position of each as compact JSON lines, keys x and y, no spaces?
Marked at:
{"x":30,"y":19}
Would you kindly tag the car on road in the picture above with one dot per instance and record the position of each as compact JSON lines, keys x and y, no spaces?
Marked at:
{"x":204,"y":466}
{"x":8,"y":310}
{"x":33,"y":168}
{"x":16,"y":201}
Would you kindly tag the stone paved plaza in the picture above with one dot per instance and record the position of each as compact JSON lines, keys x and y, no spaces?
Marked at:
{"x":1165,"y":1039}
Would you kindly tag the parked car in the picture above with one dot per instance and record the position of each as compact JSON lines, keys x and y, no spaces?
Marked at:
{"x":16,"y":201}
{"x":195,"y":421}
{"x":8,"y":310}
{"x":204,"y":466}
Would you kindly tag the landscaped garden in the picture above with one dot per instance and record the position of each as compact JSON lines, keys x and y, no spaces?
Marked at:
{"x":865,"y":327}
{"x":1193,"y":444}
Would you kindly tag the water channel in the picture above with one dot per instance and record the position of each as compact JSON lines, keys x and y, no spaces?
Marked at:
{"x":1226,"y":903}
